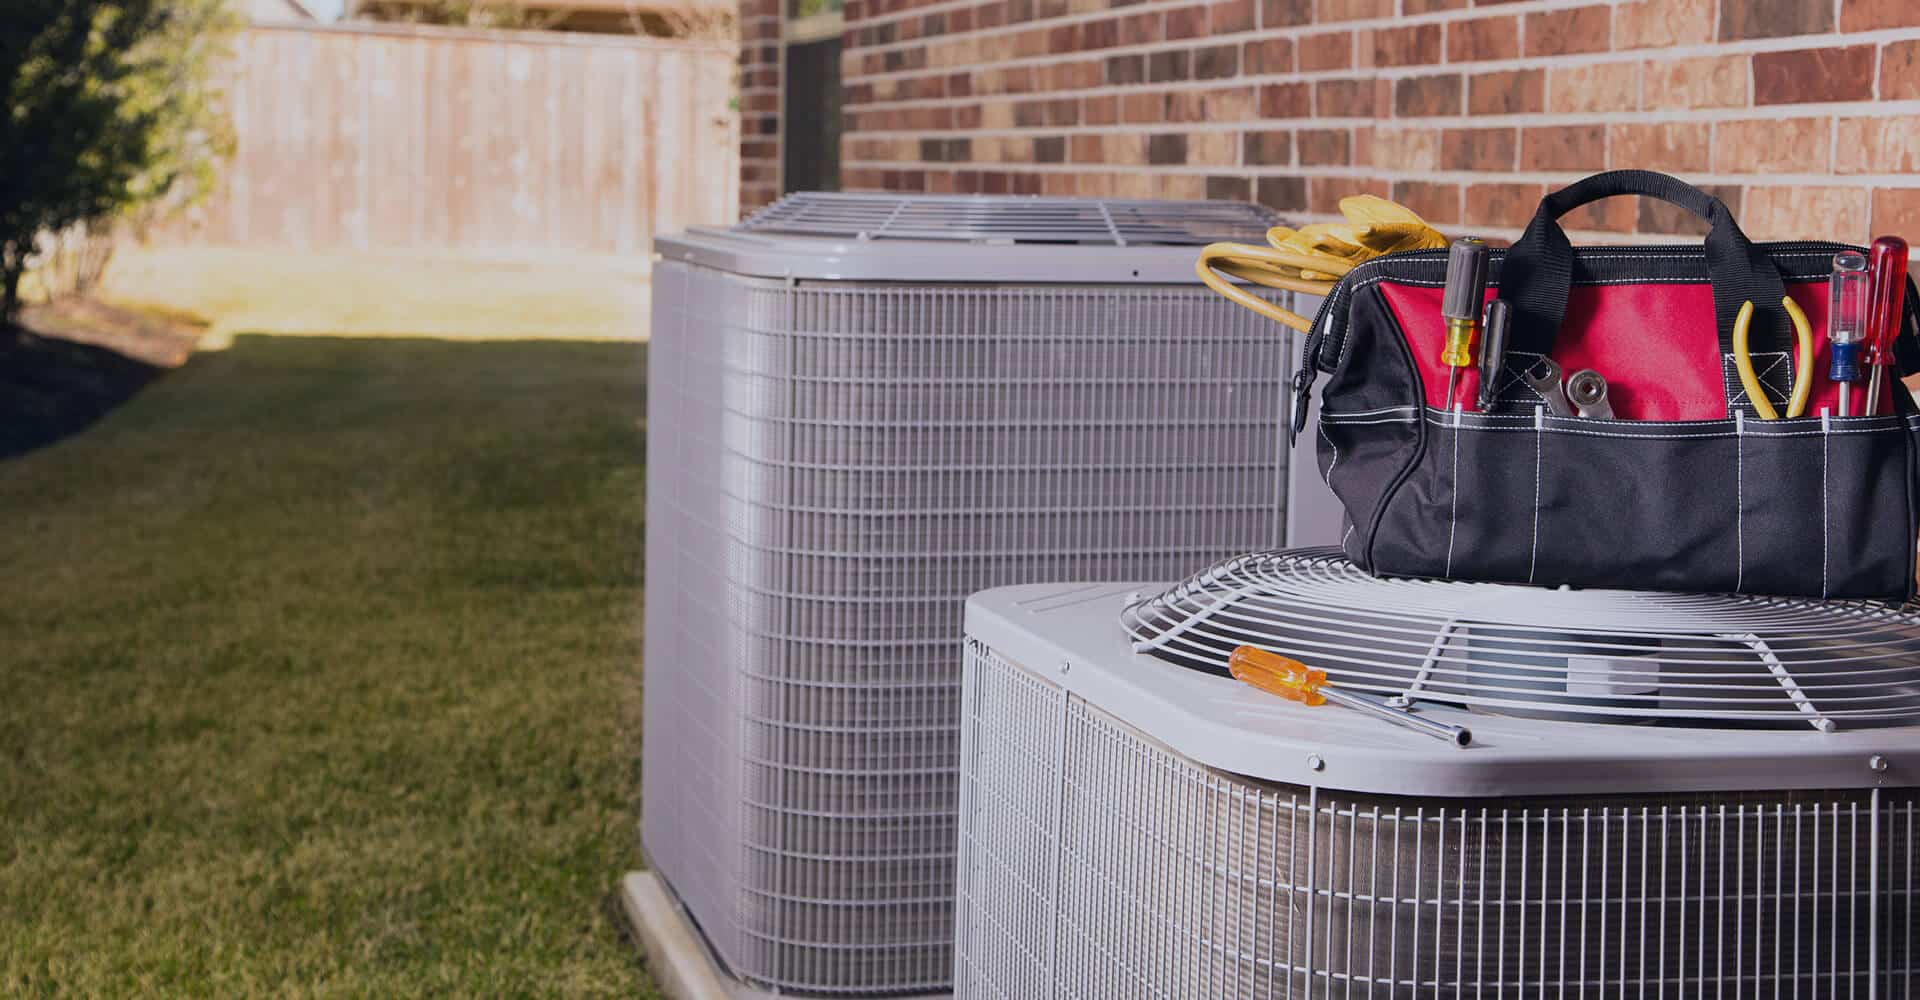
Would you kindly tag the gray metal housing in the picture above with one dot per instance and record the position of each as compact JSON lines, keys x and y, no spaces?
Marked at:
{"x":846,"y":438}
{"x":1131,"y":828}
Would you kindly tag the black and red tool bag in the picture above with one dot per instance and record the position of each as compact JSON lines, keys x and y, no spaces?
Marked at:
{"x":1687,"y":489}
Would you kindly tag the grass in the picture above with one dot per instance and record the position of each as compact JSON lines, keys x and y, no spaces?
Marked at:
{"x":320,"y":667}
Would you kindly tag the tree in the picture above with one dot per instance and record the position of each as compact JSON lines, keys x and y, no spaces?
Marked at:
{"x":106,"y":110}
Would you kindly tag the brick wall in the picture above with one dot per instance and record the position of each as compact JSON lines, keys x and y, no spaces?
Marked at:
{"x":1804,"y":115}
{"x":759,"y":102}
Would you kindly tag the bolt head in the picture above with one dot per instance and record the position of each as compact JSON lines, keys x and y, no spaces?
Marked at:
{"x":1877,"y":764}
{"x":1314,"y":763}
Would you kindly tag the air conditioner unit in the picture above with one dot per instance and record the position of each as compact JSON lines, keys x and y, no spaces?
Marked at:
{"x":1665,"y":795}
{"x":862,"y":409}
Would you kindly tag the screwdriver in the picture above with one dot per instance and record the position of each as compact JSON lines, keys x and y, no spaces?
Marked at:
{"x":1493,"y":352}
{"x":1465,"y":297}
{"x":1295,"y":681}
{"x":1887,"y":261}
{"x":1846,"y":321}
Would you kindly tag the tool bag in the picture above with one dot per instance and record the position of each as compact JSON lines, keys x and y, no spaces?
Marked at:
{"x":1689,"y":490}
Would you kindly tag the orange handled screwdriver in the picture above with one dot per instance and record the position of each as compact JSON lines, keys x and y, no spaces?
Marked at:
{"x":1295,"y":681}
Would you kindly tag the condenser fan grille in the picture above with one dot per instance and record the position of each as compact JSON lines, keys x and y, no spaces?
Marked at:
{"x":963,"y":218}
{"x":1594,"y":656}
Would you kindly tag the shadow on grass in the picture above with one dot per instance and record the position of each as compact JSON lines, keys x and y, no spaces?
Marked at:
{"x":53,"y":389}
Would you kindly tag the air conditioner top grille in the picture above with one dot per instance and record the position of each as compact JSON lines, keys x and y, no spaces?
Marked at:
{"x":1617,"y":657}
{"x":1011,"y":219}
{"x":1567,"y":744}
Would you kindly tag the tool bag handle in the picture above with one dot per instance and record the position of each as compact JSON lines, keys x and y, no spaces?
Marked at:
{"x":1538,"y":271}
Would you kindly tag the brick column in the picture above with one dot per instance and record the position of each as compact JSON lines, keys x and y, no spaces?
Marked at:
{"x":760,"y":73}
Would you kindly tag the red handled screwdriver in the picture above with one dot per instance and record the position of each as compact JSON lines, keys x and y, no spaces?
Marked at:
{"x":1886,"y":301}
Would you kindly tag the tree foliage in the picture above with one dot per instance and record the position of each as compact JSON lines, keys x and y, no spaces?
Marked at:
{"x":106,"y":108}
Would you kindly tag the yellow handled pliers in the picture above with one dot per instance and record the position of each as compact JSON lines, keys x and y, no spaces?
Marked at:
{"x":1803,"y":372}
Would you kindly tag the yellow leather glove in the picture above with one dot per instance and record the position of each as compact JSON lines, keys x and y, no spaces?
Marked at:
{"x":1310,"y":259}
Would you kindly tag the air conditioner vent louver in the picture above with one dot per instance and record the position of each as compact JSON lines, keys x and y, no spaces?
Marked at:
{"x":1595,"y":656}
{"x":1102,"y":222}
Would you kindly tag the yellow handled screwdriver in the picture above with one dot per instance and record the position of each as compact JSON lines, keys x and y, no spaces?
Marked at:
{"x":1295,"y":681}
{"x":1462,"y":305}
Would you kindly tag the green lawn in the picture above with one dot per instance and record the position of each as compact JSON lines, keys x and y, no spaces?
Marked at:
{"x":319,"y":676}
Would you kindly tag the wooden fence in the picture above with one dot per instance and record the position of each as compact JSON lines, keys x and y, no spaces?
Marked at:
{"x":372,"y":137}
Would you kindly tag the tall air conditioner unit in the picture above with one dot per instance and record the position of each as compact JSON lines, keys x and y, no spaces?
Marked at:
{"x":862,"y":409}
{"x":1665,"y":795}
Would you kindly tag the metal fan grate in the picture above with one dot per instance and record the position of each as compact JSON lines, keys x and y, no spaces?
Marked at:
{"x":1592,"y":656}
{"x":964,"y":218}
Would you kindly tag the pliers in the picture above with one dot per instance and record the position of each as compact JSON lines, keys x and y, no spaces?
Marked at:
{"x":1802,"y":372}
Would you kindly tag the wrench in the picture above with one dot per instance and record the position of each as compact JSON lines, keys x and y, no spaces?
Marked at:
{"x":1544,"y":376}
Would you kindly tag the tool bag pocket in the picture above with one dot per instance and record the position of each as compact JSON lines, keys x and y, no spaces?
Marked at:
{"x":1688,"y":490}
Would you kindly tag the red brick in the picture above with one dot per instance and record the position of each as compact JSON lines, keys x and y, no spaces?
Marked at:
{"x":1282,"y":194}
{"x":1436,"y":203}
{"x":1406,"y":150}
{"x":1136,"y":108}
{"x":1430,"y":6}
{"x":1879,"y":146}
{"x":1423,"y":96}
{"x":1798,"y":212}
{"x":1478,"y":149}
{"x":1866,"y":15}
{"x":1595,"y":87}
{"x":1772,"y":146}
{"x":1285,"y":13}
{"x":1508,"y":206}
{"x":1482,"y":39}
{"x":1267,"y":149}
{"x":1141,"y":29}
{"x":1774,"y":18}
{"x":1229,"y":16}
{"x":1267,"y":55}
{"x":1674,"y":147}
{"x":1230,"y":188}
{"x":1324,"y":148}
{"x":1167,"y":148}
{"x":1570,"y":147}
{"x":1507,"y":92}
{"x":1100,"y":110}
{"x":1353,"y":10}
{"x":1216,"y":62}
{"x":1900,"y":71}
{"x":1088,"y":149}
{"x":1659,"y":24}
{"x":1657,"y":216}
{"x":1286,"y":100}
{"x":1896,"y":210}
{"x":1809,"y":76}
{"x":1186,"y":22}
{"x":1343,"y":99}
{"x":1560,"y":32}
{"x":1612,"y":215}
{"x":1413,"y":45}
{"x":1321,"y":53}
{"x":1703,"y":82}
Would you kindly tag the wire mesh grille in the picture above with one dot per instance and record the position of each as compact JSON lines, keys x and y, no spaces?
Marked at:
{"x":1092,"y":221}
{"x":833,"y":469}
{"x":1095,"y":862}
{"x":1599,"y":656}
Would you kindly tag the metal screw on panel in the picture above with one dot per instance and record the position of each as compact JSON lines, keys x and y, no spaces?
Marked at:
{"x":1877,"y":764}
{"x":1314,"y":763}
{"x":1399,"y":701}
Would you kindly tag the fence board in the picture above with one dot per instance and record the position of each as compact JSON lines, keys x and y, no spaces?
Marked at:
{"x":386,"y":137}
